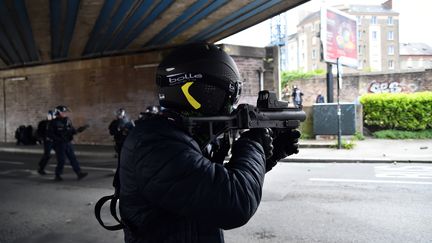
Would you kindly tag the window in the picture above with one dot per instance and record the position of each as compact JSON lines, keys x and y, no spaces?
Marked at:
{"x":390,"y":50}
{"x":359,"y":49}
{"x":359,"y":20}
{"x":390,"y":20}
{"x":313,"y":54}
{"x":359,"y":34}
{"x":374,"y":20}
{"x":390,"y":64}
{"x":374,"y":35}
{"x":390,"y":35}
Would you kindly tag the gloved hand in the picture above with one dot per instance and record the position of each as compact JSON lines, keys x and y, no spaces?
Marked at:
{"x":261,"y":136}
{"x":285,"y":144}
{"x":221,"y":149}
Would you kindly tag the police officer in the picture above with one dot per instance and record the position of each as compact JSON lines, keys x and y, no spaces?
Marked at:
{"x":150,"y":111}
{"x":171,"y":192}
{"x":62,"y":133}
{"x":42,"y":132}
{"x":119,"y":128}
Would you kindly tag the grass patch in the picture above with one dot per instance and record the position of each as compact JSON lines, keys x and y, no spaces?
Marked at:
{"x":345,"y":144}
{"x":398,"y":134}
{"x":359,"y":136}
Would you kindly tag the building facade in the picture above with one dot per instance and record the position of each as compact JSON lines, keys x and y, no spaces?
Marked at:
{"x":377,"y":34}
{"x":414,"y":56}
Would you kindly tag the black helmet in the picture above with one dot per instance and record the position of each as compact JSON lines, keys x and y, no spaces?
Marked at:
{"x":60,"y":108}
{"x":198,"y":78}
{"x":152,"y":109}
{"x":121,"y":112}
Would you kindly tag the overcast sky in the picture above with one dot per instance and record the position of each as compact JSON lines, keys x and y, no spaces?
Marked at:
{"x":414,"y":21}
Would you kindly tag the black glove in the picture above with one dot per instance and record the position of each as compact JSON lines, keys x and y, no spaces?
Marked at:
{"x":285,"y":144}
{"x":221,"y":149}
{"x":261,"y":136}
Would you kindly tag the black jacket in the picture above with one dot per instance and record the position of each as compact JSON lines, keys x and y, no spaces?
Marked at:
{"x":171,"y":193}
{"x":119,"y":129}
{"x":61,"y":130}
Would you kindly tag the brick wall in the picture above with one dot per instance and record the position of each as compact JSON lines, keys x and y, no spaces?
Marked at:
{"x":355,"y":85}
{"x":95,"y":89}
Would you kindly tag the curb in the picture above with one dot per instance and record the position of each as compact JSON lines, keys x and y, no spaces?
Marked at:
{"x":35,"y":151}
{"x":371,"y":160}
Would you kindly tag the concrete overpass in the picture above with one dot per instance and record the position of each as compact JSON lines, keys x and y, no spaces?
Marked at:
{"x":37,"y":32}
{"x":98,"y":55}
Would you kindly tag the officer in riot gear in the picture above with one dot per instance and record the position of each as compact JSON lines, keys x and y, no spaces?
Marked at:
{"x":119,"y":128}
{"x":169,"y":190}
{"x":62,"y":133}
{"x":42,"y":132}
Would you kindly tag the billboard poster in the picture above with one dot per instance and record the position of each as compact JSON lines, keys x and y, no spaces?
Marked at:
{"x":339,"y":37}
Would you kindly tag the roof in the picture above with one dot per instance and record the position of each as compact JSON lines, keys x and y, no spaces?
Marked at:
{"x":415,"y":49}
{"x":45,"y":31}
{"x":369,"y":9}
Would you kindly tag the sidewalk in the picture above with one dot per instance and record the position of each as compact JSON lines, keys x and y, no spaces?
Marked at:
{"x":368,"y":150}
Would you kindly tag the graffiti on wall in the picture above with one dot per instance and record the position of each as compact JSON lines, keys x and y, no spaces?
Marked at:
{"x":391,"y":87}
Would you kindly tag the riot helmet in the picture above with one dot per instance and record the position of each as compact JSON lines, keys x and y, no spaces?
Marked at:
{"x":61,"y":109}
{"x":121,"y":113}
{"x":50,"y":115}
{"x":152,"y":109}
{"x":198,"y":79}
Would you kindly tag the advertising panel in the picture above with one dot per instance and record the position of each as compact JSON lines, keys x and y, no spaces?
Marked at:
{"x":339,"y":37}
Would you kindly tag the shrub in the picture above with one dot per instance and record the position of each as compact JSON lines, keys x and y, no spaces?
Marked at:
{"x":396,"y":134}
{"x":288,"y":76}
{"x":398,"y":111}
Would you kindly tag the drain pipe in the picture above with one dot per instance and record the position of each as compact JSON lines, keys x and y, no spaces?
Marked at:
{"x":261,"y":78}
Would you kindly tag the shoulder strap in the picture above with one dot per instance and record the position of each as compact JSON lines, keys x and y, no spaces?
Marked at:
{"x":113,"y":205}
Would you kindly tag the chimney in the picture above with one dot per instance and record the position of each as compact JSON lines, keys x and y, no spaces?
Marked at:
{"x":388,"y":4}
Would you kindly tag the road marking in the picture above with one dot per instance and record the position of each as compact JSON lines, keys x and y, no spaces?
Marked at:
{"x":371,"y":181}
{"x":11,"y":162}
{"x":409,"y":171}
{"x":90,"y":168}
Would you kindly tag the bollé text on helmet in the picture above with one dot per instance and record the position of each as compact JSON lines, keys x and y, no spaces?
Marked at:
{"x":180,"y":77}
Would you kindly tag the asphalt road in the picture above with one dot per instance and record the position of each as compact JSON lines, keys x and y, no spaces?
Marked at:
{"x":310,"y":202}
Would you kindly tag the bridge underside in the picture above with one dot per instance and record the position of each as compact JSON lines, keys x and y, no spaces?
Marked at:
{"x":35,"y":32}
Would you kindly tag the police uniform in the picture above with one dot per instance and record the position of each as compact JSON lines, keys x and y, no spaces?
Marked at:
{"x":119,"y":129}
{"x":42,"y":131}
{"x":62,"y":133}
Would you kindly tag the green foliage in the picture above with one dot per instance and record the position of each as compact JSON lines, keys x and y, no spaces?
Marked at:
{"x":306,"y":135}
{"x":397,"y":134}
{"x":398,"y":111}
{"x":345,"y":144}
{"x":358,"y":136}
{"x":288,"y":76}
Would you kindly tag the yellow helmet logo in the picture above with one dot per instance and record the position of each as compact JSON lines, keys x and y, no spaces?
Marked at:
{"x":192,"y":101}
